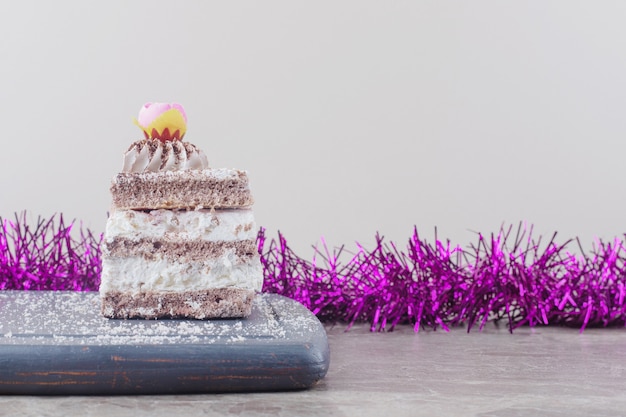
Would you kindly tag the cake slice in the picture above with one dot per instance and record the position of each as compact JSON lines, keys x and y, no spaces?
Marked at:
{"x":180,"y":241}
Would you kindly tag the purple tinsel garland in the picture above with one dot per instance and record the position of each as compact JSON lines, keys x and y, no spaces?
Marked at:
{"x":439,"y":286}
{"x":504,"y":277}
{"x":47,"y":256}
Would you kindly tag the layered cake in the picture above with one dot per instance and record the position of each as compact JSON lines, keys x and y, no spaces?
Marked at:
{"x":180,"y":240}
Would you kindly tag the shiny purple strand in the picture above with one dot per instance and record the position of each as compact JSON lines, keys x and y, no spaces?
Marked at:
{"x":504,"y":278}
{"x":47,"y":256}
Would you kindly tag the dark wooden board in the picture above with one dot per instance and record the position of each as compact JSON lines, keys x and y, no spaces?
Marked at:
{"x":58,"y":343}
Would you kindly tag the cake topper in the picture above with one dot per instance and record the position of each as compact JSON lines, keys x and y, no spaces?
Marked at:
{"x":162,"y":121}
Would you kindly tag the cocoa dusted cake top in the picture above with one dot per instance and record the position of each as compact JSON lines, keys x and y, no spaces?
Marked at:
{"x":162,"y":171}
{"x":195,"y":189}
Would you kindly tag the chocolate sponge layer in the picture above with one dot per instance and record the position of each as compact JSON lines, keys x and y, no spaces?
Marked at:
{"x":205,"y":304}
{"x":209,"y":188}
{"x":180,"y":251}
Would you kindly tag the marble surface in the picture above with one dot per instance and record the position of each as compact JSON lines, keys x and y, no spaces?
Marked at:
{"x":540,"y":371}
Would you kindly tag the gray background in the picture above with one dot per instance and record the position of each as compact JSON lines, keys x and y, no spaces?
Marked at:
{"x":351,"y":116}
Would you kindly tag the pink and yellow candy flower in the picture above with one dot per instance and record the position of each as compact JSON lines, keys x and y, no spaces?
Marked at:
{"x":162,"y":121}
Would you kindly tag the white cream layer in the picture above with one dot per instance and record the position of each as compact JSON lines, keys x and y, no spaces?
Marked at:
{"x":219,"y":225}
{"x":136,"y":274}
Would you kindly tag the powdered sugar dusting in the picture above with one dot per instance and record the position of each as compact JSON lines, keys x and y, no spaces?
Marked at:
{"x":73,"y":318}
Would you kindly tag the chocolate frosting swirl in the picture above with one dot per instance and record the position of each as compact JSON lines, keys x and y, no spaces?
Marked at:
{"x":151,"y":155}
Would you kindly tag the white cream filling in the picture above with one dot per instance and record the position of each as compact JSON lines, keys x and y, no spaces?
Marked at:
{"x":219,"y":225}
{"x":136,"y":274}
